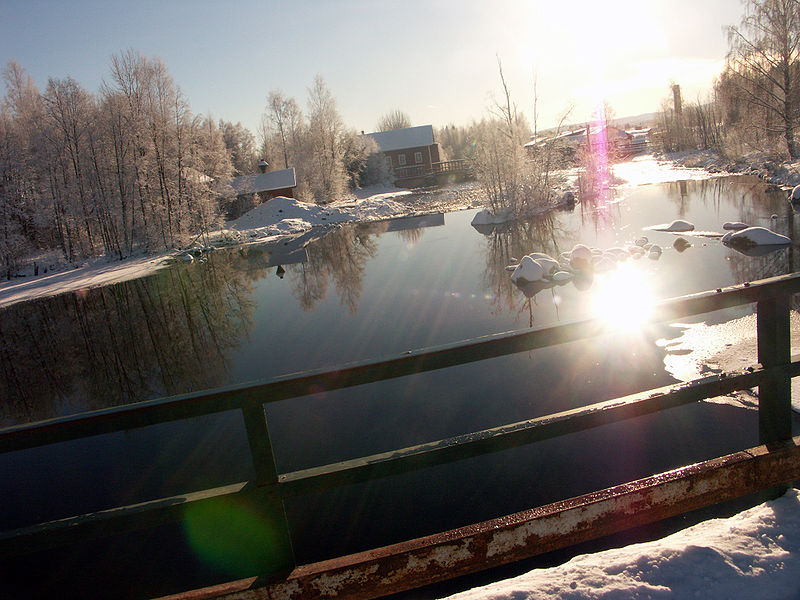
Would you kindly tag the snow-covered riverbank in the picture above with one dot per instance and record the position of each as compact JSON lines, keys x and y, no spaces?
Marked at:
{"x":754,"y":554}
{"x":758,"y":164}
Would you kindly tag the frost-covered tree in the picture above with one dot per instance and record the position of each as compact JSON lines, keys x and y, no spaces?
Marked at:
{"x":126,"y":169}
{"x":763,"y":67}
{"x":241,"y":145}
{"x":283,"y":121}
{"x":394,"y":119}
{"x":22,"y":196}
{"x":325,"y":171}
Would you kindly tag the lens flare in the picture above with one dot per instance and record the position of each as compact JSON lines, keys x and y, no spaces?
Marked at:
{"x":623,"y":298}
{"x":237,"y":537}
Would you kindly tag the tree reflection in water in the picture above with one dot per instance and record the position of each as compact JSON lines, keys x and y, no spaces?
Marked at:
{"x":506,"y":244}
{"x":340,"y":256}
{"x":156,"y":336}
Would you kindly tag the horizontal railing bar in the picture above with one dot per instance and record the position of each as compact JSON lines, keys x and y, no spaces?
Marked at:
{"x":155,"y":512}
{"x":517,"y":434}
{"x":115,"y":520}
{"x":390,"y":463}
{"x":414,"y":563}
{"x":299,"y":384}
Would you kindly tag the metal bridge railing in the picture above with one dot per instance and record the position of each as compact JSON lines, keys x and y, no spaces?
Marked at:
{"x":772,"y":375}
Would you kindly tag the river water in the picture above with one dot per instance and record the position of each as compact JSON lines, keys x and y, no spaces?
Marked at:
{"x":367,"y":292}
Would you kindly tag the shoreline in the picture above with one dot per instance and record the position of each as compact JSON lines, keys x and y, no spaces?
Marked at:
{"x":282,"y":217}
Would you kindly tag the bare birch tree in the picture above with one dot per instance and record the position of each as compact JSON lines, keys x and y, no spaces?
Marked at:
{"x":326,"y":173}
{"x":763,"y":64}
{"x":394,"y":119}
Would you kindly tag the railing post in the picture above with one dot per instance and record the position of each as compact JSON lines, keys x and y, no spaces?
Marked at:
{"x":774,"y":350}
{"x":281,"y":553}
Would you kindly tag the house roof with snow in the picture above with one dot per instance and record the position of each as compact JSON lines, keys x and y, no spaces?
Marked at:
{"x":259,"y":182}
{"x":400,"y":139}
{"x":612,"y":133}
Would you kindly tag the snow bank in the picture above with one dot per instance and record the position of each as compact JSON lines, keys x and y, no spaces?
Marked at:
{"x":755,"y":554}
{"x":283,"y":216}
{"x":757,"y":164}
{"x":91,"y":274}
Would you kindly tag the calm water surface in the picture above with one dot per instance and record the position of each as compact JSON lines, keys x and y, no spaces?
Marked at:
{"x":368,"y":292}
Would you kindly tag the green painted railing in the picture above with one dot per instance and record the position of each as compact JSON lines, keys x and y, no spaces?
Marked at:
{"x":266,"y":493}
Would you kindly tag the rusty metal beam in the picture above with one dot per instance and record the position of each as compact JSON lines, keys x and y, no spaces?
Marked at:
{"x":427,"y":560}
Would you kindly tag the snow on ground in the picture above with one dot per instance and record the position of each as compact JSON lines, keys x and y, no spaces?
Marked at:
{"x":754,"y":554}
{"x":702,"y":349}
{"x":90,"y":274}
{"x":278,"y":217}
{"x":282,"y":216}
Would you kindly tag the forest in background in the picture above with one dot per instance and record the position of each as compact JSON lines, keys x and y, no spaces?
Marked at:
{"x":130,"y":169}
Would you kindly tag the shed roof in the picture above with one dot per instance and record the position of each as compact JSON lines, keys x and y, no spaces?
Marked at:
{"x":399,"y":139}
{"x":259,"y":182}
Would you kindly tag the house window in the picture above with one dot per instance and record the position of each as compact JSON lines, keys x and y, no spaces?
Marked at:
{"x":401,"y":160}
{"x":418,"y":157}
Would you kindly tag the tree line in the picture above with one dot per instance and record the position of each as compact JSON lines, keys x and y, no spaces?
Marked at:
{"x":755,"y":102}
{"x":127,"y":169}
{"x":131,"y":169}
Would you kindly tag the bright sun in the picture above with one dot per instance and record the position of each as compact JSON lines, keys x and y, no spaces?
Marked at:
{"x":623,"y":298}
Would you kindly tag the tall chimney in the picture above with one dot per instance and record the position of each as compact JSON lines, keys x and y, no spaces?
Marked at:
{"x":262,"y":166}
{"x":676,"y":98}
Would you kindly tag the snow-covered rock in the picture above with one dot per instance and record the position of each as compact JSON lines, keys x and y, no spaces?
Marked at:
{"x":581,"y":257}
{"x":562,"y":277}
{"x":604,"y":263}
{"x":795,"y":195}
{"x":527,"y":270}
{"x":734,"y":226}
{"x":677,"y":225}
{"x":755,"y":236}
{"x":487,"y":217}
{"x":548,"y":263}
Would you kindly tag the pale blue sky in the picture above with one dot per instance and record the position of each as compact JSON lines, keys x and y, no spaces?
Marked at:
{"x":435,"y":60}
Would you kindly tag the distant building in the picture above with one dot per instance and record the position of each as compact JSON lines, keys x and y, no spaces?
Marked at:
{"x":617,"y":140}
{"x":241,"y":194}
{"x":411,"y":152}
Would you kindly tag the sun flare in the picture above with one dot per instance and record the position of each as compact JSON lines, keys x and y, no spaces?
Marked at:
{"x":623,"y":298}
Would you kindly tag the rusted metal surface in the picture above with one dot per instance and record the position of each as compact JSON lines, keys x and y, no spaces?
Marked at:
{"x":461,"y":551}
